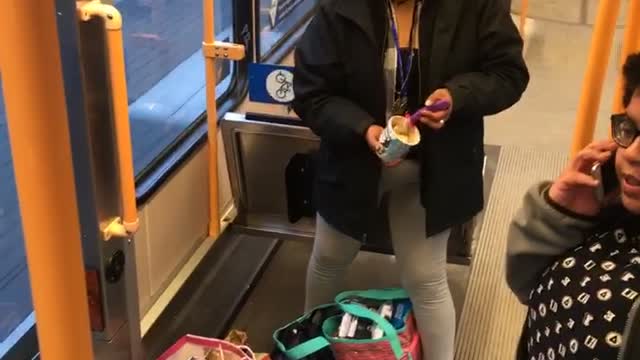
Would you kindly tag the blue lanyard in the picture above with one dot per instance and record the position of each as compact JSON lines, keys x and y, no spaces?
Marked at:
{"x":404,"y":69}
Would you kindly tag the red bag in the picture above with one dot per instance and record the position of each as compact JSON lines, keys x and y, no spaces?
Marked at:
{"x":395,"y":344}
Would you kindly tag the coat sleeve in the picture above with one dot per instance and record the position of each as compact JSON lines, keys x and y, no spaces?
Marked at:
{"x":539,"y":233}
{"x":502,"y":74}
{"x":319,"y":84}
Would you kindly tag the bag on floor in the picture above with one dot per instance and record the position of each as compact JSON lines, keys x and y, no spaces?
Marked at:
{"x":191,"y":346}
{"x":303,"y":339}
{"x":385,"y":328}
{"x":318,"y":335}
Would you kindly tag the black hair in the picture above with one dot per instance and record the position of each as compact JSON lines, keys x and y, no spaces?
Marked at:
{"x":631,"y":73}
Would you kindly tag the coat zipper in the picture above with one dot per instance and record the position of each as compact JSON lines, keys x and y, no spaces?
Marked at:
{"x":633,"y":314}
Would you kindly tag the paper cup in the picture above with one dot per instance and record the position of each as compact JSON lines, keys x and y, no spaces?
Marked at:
{"x":395,"y":146}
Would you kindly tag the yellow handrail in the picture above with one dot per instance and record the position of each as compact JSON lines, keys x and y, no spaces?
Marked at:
{"x":118,"y":85}
{"x":601,"y":44}
{"x":214,"y":51}
{"x":630,"y":45}
{"x":212,"y":119}
{"x":40,"y":143}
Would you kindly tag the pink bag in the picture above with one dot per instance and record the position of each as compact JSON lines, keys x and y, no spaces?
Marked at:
{"x":196,"y":347}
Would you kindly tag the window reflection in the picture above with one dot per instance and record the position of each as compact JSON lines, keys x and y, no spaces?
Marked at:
{"x":278,"y":18}
{"x":15,"y":293}
{"x":165,"y":69}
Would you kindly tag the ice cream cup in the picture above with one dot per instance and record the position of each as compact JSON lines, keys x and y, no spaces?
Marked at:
{"x":395,"y":143}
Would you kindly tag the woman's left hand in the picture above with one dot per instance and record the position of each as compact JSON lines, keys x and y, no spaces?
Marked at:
{"x":436,"y":120}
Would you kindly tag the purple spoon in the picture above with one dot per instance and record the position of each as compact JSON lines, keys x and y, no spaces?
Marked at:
{"x":439,"y":105}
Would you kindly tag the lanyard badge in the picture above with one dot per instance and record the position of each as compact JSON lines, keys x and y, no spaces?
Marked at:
{"x":403,"y":67}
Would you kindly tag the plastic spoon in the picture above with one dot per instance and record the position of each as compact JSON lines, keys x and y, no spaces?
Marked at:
{"x":439,"y":105}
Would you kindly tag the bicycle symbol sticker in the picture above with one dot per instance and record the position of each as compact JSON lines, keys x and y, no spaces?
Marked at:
{"x":280,"y":85}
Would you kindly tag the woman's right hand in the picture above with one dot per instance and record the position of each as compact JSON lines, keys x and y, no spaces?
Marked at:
{"x":575,"y":189}
{"x":373,"y":139}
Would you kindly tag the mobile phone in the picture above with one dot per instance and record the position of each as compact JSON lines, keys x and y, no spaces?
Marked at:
{"x":596,"y":173}
{"x":605,"y":173}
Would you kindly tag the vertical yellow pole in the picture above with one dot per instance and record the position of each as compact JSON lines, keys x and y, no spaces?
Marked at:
{"x":595,"y":74}
{"x":630,"y":45}
{"x":523,"y":15}
{"x":123,"y":131}
{"x":39,"y":134}
{"x":212,"y":120}
{"x":637,"y":43}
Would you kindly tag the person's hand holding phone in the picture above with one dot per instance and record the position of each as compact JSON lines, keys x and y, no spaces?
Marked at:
{"x":575,"y":190}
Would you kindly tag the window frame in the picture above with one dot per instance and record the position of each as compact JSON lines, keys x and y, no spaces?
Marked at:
{"x":287,"y":41}
{"x":165,"y":164}
{"x":153,"y":176}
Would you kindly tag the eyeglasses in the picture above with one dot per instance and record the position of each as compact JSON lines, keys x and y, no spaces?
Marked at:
{"x":624,"y":130}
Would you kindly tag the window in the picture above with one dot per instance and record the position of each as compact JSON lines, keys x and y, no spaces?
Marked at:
{"x":165,"y":69}
{"x":278,"y":19}
{"x":165,"y":76}
{"x":15,"y":293}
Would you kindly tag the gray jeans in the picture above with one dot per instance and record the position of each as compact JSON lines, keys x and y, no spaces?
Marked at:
{"x":422,"y":262}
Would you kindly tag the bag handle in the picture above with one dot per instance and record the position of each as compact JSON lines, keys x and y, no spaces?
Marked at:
{"x":308,"y":347}
{"x":390,"y":333}
{"x":247,"y":350}
{"x":376,"y":294}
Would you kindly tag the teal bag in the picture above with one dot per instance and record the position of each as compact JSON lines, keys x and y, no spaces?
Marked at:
{"x":312,"y":337}
{"x":403,"y":343}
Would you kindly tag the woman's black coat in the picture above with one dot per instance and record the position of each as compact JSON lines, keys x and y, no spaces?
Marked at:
{"x":472,"y":48}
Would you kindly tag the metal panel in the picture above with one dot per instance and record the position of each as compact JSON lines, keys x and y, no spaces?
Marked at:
{"x":98,"y":191}
{"x":103,"y":165}
{"x":257,"y":155}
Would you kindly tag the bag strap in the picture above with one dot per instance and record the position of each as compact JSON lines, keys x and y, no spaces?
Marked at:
{"x":390,"y":333}
{"x":377,"y":294}
{"x":307,"y":348}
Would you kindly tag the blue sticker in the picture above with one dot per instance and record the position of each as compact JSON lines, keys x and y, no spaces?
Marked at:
{"x":271,"y":84}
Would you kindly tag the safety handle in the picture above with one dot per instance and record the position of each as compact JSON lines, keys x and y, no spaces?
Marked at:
{"x":212,"y":51}
{"x":129,"y":223}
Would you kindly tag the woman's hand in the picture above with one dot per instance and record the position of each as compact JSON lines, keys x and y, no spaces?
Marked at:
{"x":436,"y":120}
{"x":373,"y":139}
{"x":575,"y":189}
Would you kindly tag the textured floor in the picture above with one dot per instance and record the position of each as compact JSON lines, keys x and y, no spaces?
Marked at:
{"x":278,"y":298}
{"x":491,"y":319}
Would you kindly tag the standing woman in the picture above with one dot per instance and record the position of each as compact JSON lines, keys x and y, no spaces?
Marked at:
{"x":361,"y":61}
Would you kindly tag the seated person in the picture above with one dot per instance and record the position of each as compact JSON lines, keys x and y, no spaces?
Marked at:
{"x":574,"y":257}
